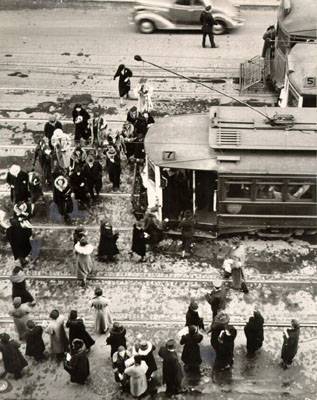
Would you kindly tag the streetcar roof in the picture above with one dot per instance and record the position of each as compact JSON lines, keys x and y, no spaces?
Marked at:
{"x":300,"y":18}
{"x":236,"y":140}
{"x":302,"y":64}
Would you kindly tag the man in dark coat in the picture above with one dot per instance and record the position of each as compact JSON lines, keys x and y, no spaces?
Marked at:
{"x":78,"y":183}
{"x":18,"y":235}
{"x":132,"y":115}
{"x":77,"y":330}
{"x":290,"y":344}
{"x":50,"y":127}
{"x":142,"y":124}
{"x":78,"y":365}
{"x":207,"y":21}
{"x":254,"y":332}
{"x":192,"y":316}
{"x":44,"y":154}
{"x":191,"y":351}
{"x":117,"y":337}
{"x":92,"y":172}
{"x":113,"y":166}
{"x":18,"y":280}
{"x":80,"y":119}
{"x":35,"y":346}
{"x":138,"y":240}
{"x":107,"y":247}
{"x":13,"y":360}
{"x":172,"y":370}
{"x":216,"y":298}
{"x":18,"y":181}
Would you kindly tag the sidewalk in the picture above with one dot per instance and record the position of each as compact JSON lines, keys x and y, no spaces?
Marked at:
{"x":242,"y":3}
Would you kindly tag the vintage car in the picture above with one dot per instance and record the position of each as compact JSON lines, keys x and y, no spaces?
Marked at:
{"x":151,"y":15}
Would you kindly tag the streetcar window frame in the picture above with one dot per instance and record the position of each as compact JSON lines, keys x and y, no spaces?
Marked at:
{"x":151,"y":171}
{"x":242,"y":198}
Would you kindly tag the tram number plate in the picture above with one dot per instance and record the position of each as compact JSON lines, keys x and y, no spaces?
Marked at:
{"x":310,"y":81}
{"x":169,"y":155}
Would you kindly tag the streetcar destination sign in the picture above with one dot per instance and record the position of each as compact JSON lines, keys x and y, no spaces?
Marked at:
{"x":168,"y":155}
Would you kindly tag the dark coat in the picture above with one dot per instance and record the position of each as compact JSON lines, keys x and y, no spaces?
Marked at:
{"x":50,"y":128}
{"x":141,"y":125}
{"x":92,"y":174}
{"x":290,"y":345}
{"x":254,"y":333}
{"x":148,"y":357}
{"x":138,"y":241}
{"x":216,"y":299}
{"x":124,"y":75}
{"x":117,"y":338}
{"x":193,"y":318}
{"x":207,"y":21}
{"x":77,"y":330}
{"x":19,"y":290}
{"x":34,"y":343}
{"x":191,"y":350}
{"x":225,"y":349}
{"x":172,"y":371}
{"x":19,"y":239}
{"x":63,"y":200}
{"x":19,"y":186}
{"x":107,"y":243}
{"x":13,"y":359}
{"x":81,"y":129}
{"x":79,"y":185}
{"x":78,"y":367}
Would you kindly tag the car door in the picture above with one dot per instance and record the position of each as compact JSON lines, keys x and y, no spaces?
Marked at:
{"x":180,"y":12}
{"x":197,"y":6}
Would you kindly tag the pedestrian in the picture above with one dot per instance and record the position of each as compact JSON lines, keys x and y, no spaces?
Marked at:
{"x":124,"y":75}
{"x":20,"y":313}
{"x":192,"y":316}
{"x":83,"y":260}
{"x":62,"y":197}
{"x":50,"y":127}
{"x":225,"y":350}
{"x":137,"y":374}
{"x":254,"y":332}
{"x":144,"y":93}
{"x":187,"y":226}
{"x":79,"y":233}
{"x":220,"y":323}
{"x":103,"y":318}
{"x":107,"y":248}
{"x":143,"y":123}
{"x":290,"y":344}
{"x":13,"y":360}
{"x":113,"y":166}
{"x":216,"y":298}
{"x":116,"y":338}
{"x":153,"y":228}
{"x":237,"y":276}
{"x":18,"y":181}
{"x":92,"y":171}
{"x":77,"y":330}
{"x":80,"y":119}
{"x":61,"y":143}
{"x":18,"y":235}
{"x":58,"y":337}
{"x":207,"y":21}
{"x":79,"y":186}
{"x":35,"y":346}
{"x":98,"y":127}
{"x":145,"y":349}
{"x":172,"y":370}
{"x":44,"y":154}
{"x":138,"y":240}
{"x":78,"y":158}
{"x":129,"y":138}
{"x":77,"y":363}
{"x":35,"y":188}
{"x":269,"y":42}
{"x":18,"y":280}
{"x":132,"y":115}
{"x":119,"y":359}
{"x":22,"y":211}
{"x":191,"y":351}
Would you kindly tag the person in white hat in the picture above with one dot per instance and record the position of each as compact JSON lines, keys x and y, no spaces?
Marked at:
{"x":18,"y":181}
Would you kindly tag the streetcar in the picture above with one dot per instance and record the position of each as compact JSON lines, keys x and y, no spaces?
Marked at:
{"x":235,"y":171}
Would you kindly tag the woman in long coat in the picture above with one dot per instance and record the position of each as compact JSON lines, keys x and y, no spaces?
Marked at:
{"x":62,"y":196}
{"x":103,"y":318}
{"x":20,"y":313}
{"x":144,"y":93}
{"x":117,"y":337}
{"x":138,"y":240}
{"x":83,"y":260}
{"x":13,"y":360}
{"x":61,"y":142}
{"x":172,"y":370}
{"x":18,"y":280}
{"x":192,"y":316}
{"x":58,"y":337}
{"x":35,"y":346}
{"x":124,"y":75}
{"x":77,"y":330}
{"x":113,"y":166}
{"x":80,"y":119}
{"x":290,"y":344}
{"x":78,"y":365}
{"x":18,"y":235}
{"x":191,"y":351}
{"x":224,"y":353}
{"x":107,"y":247}
{"x":137,"y":374}
{"x":254,"y":332}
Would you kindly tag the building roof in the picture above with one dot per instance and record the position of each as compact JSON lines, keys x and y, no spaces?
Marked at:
{"x":249,"y":145}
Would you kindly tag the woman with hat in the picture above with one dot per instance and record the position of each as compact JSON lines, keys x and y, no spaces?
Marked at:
{"x":137,"y":374}
{"x":20,"y":313}
{"x":78,"y":364}
{"x":145,"y":350}
{"x":254,"y":332}
{"x":192,"y":316}
{"x":62,"y":196}
{"x":119,"y":359}
{"x":107,"y":248}
{"x":35,"y":346}
{"x":225,"y":348}
{"x":290,"y":344}
{"x":138,"y":240}
{"x":219,"y":323}
{"x":124,"y":75}
{"x":77,"y":330}
{"x":58,"y":337}
{"x":83,"y":260}
{"x":172,"y":370}
{"x":18,"y":280}
{"x":191,"y":351}
{"x":116,"y":337}
{"x":187,"y":226}
{"x":18,"y":181}
{"x":18,"y":235}
{"x":13,"y":360}
{"x":113,"y":166}
{"x":103,"y":318}
{"x":80,"y":119}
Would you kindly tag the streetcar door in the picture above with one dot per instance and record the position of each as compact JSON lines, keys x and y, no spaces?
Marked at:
{"x":206,"y":197}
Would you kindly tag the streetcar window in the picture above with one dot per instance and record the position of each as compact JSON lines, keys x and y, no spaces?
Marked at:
{"x":269,"y":191}
{"x":238,"y":190}
{"x":310,"y":101}
{"x":151,"y":171}
{"x":300,"y":192}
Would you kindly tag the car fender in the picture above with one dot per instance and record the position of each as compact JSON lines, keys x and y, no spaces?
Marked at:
{"x":230,"y":23}
{"x":159,"y":21}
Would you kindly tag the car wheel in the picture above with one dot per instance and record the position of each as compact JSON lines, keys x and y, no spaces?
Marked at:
{"x":219,"y":28}
{"x":146,"y":26}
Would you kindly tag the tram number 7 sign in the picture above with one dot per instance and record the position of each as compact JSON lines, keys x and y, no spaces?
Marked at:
{"x":168,"y":155}
{"x":310,"y":81}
